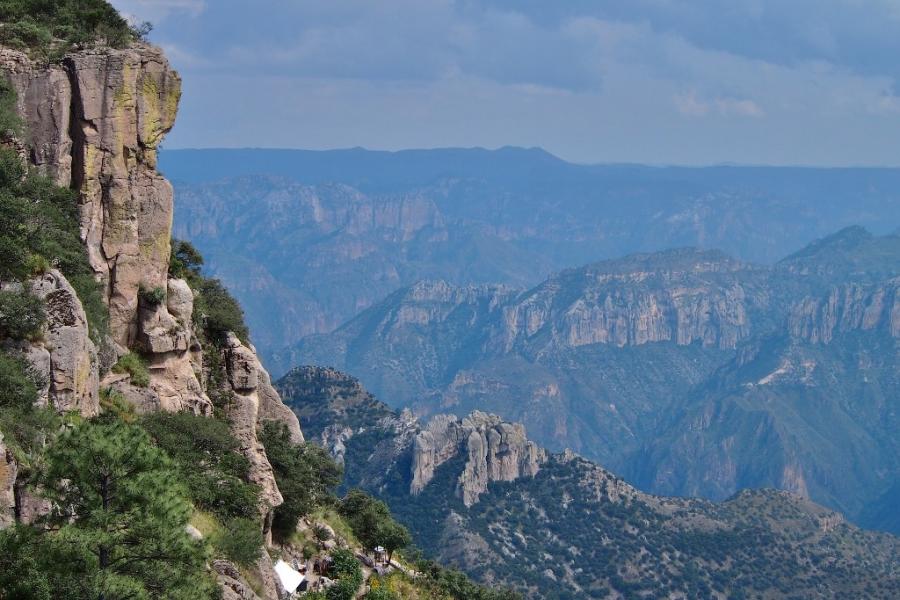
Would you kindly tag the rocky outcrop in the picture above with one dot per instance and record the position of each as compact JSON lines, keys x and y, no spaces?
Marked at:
{"x":67,"y":360}
{"x":94,"y":123}
{"x":493,"y":451}
{"x":233,"y":584}
{"x":255,"y":401}
{"x":851,"y":307}
{"x":682,"y":296}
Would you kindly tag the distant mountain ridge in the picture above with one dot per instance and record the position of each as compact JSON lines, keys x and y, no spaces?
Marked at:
{"x":477,"y":493}
{"x":688,"y":371}
{"x":307,"y":240}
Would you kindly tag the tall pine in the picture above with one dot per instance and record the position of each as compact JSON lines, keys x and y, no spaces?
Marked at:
{"x":120,"y":517}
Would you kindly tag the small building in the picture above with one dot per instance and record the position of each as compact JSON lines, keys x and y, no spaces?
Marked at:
{"x":289,"y":578}
{"x":380,"y":554}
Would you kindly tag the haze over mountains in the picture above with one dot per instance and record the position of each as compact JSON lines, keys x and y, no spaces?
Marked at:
{"x":751,"y":342}
{"x":308,"y":239}
{"x":687,"y":371}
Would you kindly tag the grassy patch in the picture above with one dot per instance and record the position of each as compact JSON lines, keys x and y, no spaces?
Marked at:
{"x":136,"y":367}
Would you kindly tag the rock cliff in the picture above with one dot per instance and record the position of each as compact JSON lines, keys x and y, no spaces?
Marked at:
{"x":683,"y":296}
{"x":493,"y":451}
{"x":94,"y":123}
{"x":850,"y":307}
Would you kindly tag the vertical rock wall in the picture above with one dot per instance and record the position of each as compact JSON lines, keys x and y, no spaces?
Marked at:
{"x":94,"y":123}
{"x":493,"y":451}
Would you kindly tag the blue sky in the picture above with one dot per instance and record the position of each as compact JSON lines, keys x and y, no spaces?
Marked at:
{"x":651,"y":81}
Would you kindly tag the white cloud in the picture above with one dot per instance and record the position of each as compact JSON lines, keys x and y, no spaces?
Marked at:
{"x":157,"y":11}
{"x":689,"y":104}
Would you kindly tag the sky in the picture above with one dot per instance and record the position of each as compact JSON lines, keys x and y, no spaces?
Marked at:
{"x":692,"y":82}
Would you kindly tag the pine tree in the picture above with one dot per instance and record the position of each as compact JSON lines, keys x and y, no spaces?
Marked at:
{"x":120,"y":517}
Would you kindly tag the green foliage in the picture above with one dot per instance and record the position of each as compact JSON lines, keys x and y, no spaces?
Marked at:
{"x":322,"y":534}
{"x":217,"y":312}
{"x":349,"y":574}
{"x":240,"y":541}
{"x":21,"y":315}
{"x":25,"y":427}
{"x":185,"y":261}
{"x":135,"y":366}
{"x":49,"y":28}
{"x":372,"y":522}
{"x":21,"y":573}
{"x":17,"y":386}
{"x":114,"y":406}
{"x":120,"y":515}
{"x":455,"y":584}
{"x":151,"y":296}
{"x":10,"y":122}
{"x":306,"y":476}
{"x":208,"y":460}
{"x":380,"y":593}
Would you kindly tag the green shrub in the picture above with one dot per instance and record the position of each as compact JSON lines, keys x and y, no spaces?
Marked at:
{"x":185,"y":261}
{"x":321,"y":533}
{"x":372,"y":522}
{"x":49,"y":28}
{"x":10,"y":123}
{"x":217,"y":312}
{"x":114,"y":406}
{"x":90,"y":292}
{"x":17,"y":386}
{"x":209,"y":460}
{"x":306,"y":476}
{"x":21,"y":315}
{"x":381,"y":593}
{"x":135,"y":366}
{"x":349,"y":574}
{"x":151,"y":296}
{"x":240,"y":541}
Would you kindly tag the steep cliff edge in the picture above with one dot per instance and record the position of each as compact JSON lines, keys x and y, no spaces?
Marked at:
{"x":93,"y":122}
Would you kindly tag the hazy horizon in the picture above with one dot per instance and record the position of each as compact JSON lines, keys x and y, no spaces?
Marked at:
{"x":610,"y":163}
{"x":758,"y":82}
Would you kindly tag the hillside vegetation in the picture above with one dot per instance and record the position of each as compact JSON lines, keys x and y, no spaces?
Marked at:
{"x":576,"y":531}
{"x":49,"y":28}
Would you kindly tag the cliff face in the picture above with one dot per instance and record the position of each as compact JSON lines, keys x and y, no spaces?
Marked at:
{"x":94,"y":123}
{"x":682,"y":296}
{"x":846,"y":308}
{"x":493,"y":451}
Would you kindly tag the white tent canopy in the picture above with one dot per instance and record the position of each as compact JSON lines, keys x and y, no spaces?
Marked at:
{"x":289,"y":578}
